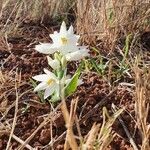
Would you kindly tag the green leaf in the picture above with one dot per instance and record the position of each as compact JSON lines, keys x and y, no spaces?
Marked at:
{"x":72,"y":86}
{"x":126,"y":47}
{"x":95,"y":66}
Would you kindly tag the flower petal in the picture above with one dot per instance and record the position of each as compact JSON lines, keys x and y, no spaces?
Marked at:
{"x":46,"y":48}
{"x":83,"y":47}
{"x":70,"y":30}
{"x":50,"y":74}
{"x":77,"y":36}
{"x":41,"y":86}
{"x":80,"y":81}
{"x":63,"y":29}
{"x":41,"y":77}
{"x":55,"y":37}
{"x":77,"y":55}
{"x":49,"y":91}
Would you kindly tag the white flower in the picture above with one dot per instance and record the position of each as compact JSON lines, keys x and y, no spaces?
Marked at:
{"x":49,"y":83}
{"x":64,"y":41}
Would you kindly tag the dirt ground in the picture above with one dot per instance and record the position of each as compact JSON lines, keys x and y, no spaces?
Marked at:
{"x":21,"y":56}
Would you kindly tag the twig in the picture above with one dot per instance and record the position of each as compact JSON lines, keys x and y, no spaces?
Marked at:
{"x":47,"y":120}
{"x":85,"y":117}
{"x":70,"y":135}
{"x":70,"y":138}
{"x":22,"y":142}
{"x":101,"y":103}
{"x":125,"y":129}
{"x":15,"y":118}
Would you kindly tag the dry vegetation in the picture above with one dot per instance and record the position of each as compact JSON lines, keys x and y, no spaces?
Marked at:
{"x":15,"y":13}
{"x":111,"y":19}
{"x":142,"y":98}
{"x":118,"y":29}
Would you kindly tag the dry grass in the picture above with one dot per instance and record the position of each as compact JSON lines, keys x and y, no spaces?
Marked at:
{"x":110,"y":20}
{"x":142,"y":104}
{"x":14,"y":13}
{"x":99,"y":137}
{"x":9,"y":85}
{"x":107,"y":20}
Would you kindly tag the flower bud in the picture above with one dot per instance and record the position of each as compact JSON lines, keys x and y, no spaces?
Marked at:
{"x":57,"y":56}
{"x":55,"y":64}
{"x":64,"y":61}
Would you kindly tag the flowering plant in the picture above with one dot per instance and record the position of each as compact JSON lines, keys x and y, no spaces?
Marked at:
{"x":56,"y":84}
{"x":64,"y":48}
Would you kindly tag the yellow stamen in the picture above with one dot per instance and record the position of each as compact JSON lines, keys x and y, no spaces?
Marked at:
{"x":64,"y":40}
{"x":50,"y":81}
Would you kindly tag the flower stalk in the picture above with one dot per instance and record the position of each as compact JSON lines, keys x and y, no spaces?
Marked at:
{"x":70,"y":138}
{"x":56,"y":84}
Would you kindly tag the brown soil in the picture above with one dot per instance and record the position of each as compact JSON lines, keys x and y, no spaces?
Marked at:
{"x":95,"y":91}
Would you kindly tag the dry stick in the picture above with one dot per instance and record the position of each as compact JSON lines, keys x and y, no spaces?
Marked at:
{"x":51,"y":132}
{"x":15,"y":118}
{"x":17,"y":139}
{"x":47,"y":120}
{"x":78,"y":129}
{"x":12,"y":105}
{"x":125,"y":129}
{"x":66,"y":118}
{"x":62,"y":136}
{"x":89,"y":114}
{"x":33,"y":134}
{"x":92,"y":111}
{"x":93,"y":133}
{"x":22,"y":142}
{"x":70,"y":136}
{"x":7,"y":21}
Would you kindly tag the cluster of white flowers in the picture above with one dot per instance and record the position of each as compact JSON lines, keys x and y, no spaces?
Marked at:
{"x":65,"y":48}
